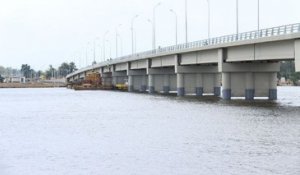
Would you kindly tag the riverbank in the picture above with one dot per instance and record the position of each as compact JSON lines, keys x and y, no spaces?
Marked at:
{"x":31,"y":85}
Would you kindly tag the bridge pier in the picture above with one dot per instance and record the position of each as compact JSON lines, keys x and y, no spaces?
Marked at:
{"x":198,"y":80}
{"x":226,"y":82}
{"x":199,"y":85}
{"x":161,"y":80}
{"x":166,"y":87}
{"x":151,"y":83}
{"x":106,"y":79}
{"x":249,"y":92}
{"x":137,"y":80}
{"x":119,"y":77}
{"x":250,"y":80}
{"x":180,"y":84}
{"x":273,"y":86}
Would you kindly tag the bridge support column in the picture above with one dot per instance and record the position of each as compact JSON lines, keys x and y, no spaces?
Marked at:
{"x":199,"y":85}
{"x":119,"y":77}
{"x":151,"y":83}
{"x":249,"y":92}
{"x":114,"y":81}
{"x":130,"y":83}
{"x":107,"y":79}
{"x":297,"y":55}
{"x":137,"y":80}
{"x":162,"y":80}
{"x":166,"y":87}
{"x":250,"y":80}
{"x":226,"y":82}
{"x":273,"y":86}
{"x":198,"y":80}
{"x":144,"y":84}
{"x":217,"y":85}
{"x":180,"y":84}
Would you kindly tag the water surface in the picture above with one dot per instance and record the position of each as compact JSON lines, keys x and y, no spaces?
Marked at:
{"x":60,"y":131}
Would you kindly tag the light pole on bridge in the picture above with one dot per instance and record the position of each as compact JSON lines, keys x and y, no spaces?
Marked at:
{"x":86,"y":53}
{"x":176,"y":26}
{"x":237,"y":16}
{"x":154,"y":26}
{"x":258,"y":15}
{"x":117,"y":34}
{"x":208,"y":18}
{"x":132,"y":33}
{"x":186,"y":23}
{"x":104,"y":41}
{"x":95,"y":43}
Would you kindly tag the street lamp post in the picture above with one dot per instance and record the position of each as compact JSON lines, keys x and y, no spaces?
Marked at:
{"x":176,"y":26}
{"x":186,"y":23}
{"x":95,"y":42}
{"x":86,"y":53}
{"x":109,"y":45}
{"x":104,"y":40}
{"x":258,"y":15}
{"x":237,"y":16}
{"x":121,"y":44}
{"x":117,"y":39}
{"x":132,"y":33}
{"x":151,"y":22}
{"x":208,"y":18}
{"x":154,"y":26}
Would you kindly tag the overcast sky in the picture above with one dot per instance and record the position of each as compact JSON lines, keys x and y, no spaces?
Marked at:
{"x":43,"y":32}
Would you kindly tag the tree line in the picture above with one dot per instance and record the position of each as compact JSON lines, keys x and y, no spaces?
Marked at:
{"x":28,"y":72}
{"x":287,"y":71}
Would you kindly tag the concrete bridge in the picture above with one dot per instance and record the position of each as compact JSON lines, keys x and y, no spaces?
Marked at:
{"x":245,"y":64}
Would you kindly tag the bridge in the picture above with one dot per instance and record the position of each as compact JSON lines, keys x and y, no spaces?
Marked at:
{"x":244,"y":65}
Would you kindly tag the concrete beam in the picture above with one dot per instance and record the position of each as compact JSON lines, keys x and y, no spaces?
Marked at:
{"x":161,"y":71}
{"x":251,"y":67}
{"x":297,"y":55}
{"x":197,"y":69}
{"x":119,"y":74}
{"x":137,"y":72}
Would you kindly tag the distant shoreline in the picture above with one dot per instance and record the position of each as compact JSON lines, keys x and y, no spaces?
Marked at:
{"x":31,"y":85}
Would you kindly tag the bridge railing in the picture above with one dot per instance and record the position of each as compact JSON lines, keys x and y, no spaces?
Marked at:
{"x":269,"y":32}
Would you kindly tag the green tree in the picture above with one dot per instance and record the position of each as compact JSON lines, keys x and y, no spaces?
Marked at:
{"x":1,"y":79}
{"x":64,"y":69}
{"x":2,"y":70}
{"x":72,"y":67}
{"x":287,"y":70}
{"x":50,"y":72}
{"x":39,"y":73}
{"x":26,"y":70}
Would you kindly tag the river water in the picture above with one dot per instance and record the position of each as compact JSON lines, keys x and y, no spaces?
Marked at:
{"x":63,"y":132}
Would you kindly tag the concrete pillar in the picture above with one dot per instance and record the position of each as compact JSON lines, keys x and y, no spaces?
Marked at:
{"x":217,"y":86}
{"x":180,"y":84}
{"x":151,"y":83}
{"x":249,"y":91}
{"x":226,"y":82}
{"x":130,"y":83}
{"x":273,"y":86}
{"x":144,"y":84}
{"x":114,"y":81}
{"x":199,"y":85}
{"x":166,"y":87}
{"x":297,"y":55}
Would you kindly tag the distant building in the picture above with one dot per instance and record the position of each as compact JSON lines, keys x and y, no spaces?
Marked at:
{"x":15,"y":79}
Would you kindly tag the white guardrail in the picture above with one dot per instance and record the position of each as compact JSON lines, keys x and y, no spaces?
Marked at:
{"x":269,"y":32}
